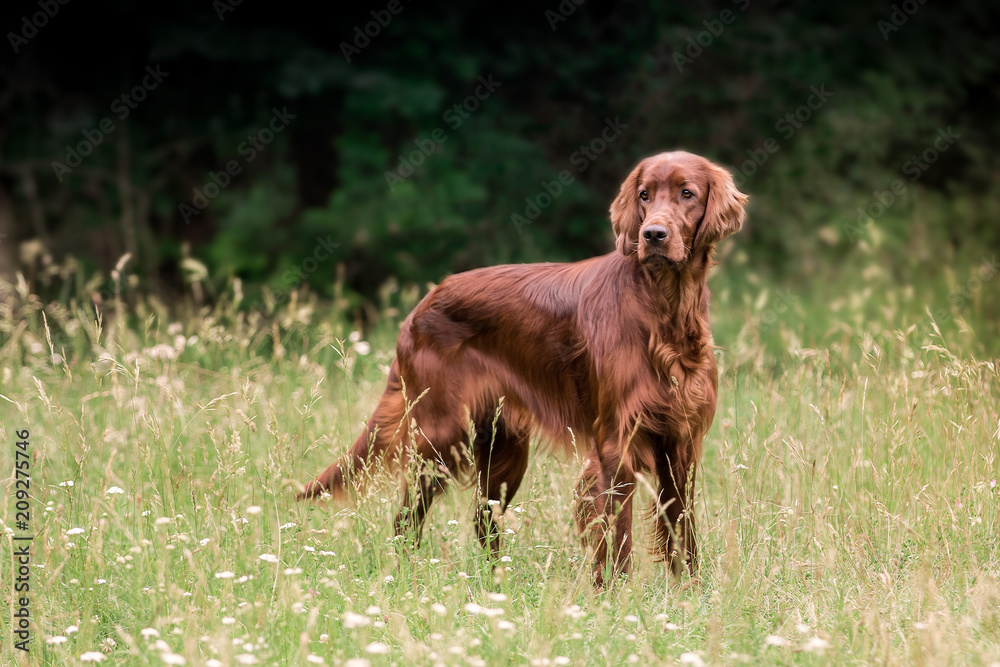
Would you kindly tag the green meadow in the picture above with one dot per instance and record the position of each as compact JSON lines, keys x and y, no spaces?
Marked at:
{"x":848,"y":502}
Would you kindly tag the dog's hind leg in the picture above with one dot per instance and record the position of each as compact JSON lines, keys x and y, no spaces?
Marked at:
{"x":501,"y":457}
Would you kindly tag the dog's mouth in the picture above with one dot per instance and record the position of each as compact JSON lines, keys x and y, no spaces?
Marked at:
{"x":656,"y":260}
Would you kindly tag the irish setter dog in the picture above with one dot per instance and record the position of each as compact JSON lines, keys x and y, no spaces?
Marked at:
{"x":613,"y":353}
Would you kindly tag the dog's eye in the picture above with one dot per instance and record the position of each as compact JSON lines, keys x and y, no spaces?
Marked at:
{"x":644,"y":196}
{"x":687,"y":194}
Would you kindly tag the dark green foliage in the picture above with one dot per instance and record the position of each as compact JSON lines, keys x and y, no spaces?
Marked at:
{"x":708,"y":77}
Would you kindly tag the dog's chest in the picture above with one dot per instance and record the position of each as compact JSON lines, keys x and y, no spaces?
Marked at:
{"x":685,"y":400}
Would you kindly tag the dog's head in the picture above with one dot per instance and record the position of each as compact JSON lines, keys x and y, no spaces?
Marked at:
{"x":672,"y":206}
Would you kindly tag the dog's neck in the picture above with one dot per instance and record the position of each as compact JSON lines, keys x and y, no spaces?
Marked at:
{"x":681,"y":299}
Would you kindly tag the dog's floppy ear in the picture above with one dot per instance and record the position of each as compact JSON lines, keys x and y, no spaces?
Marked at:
{"x":725,"y":210}
{"x":625,"y":218}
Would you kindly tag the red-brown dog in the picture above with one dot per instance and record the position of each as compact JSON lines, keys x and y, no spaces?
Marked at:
{"x":614,"y":350}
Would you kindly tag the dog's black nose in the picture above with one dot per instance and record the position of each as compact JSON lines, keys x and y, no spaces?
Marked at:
{"x":655,"y":234}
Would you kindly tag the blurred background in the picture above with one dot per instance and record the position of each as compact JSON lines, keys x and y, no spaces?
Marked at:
{"x":270,"y":151}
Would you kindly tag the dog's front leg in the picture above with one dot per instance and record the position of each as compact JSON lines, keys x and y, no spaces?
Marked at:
{"x":604,"y":512}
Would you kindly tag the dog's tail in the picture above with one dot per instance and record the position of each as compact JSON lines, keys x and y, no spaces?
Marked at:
{"x":379,"y":441}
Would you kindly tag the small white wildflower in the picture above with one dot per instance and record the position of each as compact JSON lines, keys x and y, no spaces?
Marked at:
{"x":315,"y":659}
{"x":285,"y":526}
{"x":434,"y":561}
{"x":115,"y":490}
{"x":212,"y":662}
{"x":452,"y":522}
{"x":269,"y":558}
{"x":92,"y":656}
{"x":353,"y":620}
{"x":309,"y":548}
{"x":75,"y":531}
{"x":474,"y":608}
{"x":58,"y":639}
{"x":775,"y":640}
{"x":492,"y":502}
{"x":439,"y":609}
{"x":362,"y":348}
{"x":149,"y":633}
{"x":247,"y":658}
{"x":505,"y":625}
{"x":671,"y":626}
{"x":377,"y":648}
{"x":71,"y":629}
{"x":358,"y":662}
{"x":226,"y":574}
{"x":692,"y":659}
{"x":505,"y":559}
{"x":816,"y":645}
{"x":204,"y":541}
{"x":173,"y":659}
{"x":496,"y":597}
{"x":389,"y":579}
{"x":228,"y":620}
{"x":373,"y":610}
{"x":631,"y":618}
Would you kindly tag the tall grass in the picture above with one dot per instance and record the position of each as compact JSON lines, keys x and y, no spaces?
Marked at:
{"x":847,"y":504}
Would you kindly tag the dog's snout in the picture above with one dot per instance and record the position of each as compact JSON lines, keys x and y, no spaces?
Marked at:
{"x":655,"y":234}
